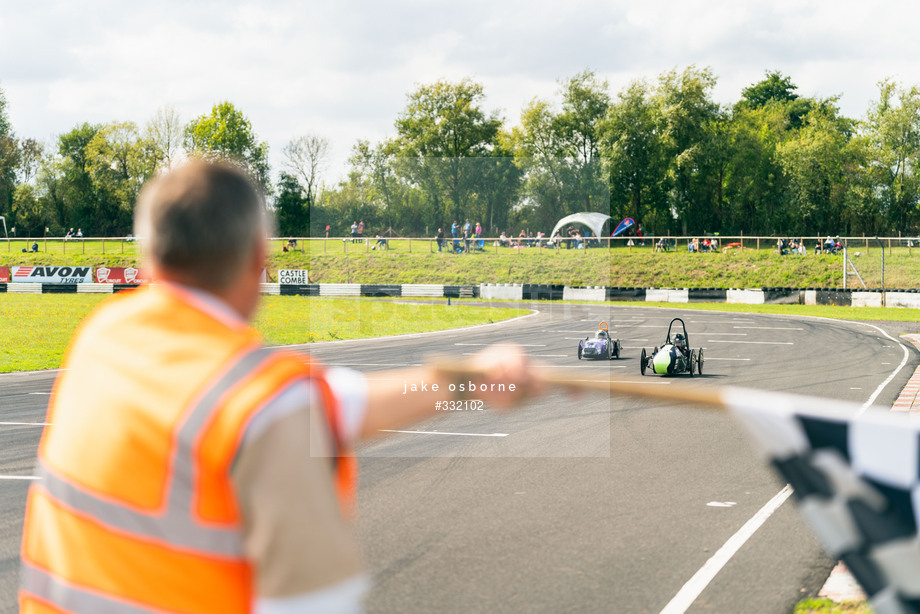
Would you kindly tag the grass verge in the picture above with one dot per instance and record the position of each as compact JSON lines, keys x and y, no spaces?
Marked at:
{"x":36,"y":328}
{"x":826,"y":606}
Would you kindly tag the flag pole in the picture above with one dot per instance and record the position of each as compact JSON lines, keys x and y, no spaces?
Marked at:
{"x":713,"y":398}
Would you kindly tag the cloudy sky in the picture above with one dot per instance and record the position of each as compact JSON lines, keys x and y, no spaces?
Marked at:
{"x":342,"y":69}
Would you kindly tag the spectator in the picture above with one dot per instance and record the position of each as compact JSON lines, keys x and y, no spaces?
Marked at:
{"x":79,"y":234}
{"x":478,"y":234}
{"x":454,"y":236}
{"x":327,"y":231}
{"x":354,"y":231}
{"x":382,"y":242}
{"x":69,"y":235}
{"x":360,"y":230}
{"x":440,"y":239}
{"x":503,"y":240}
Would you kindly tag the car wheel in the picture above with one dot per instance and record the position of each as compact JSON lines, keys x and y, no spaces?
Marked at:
{"x":692,"y":360}
{"x":699,"y":362}
{"x":616,"y":348}
{"x":579,"y":352}
{"x":642,"y":361}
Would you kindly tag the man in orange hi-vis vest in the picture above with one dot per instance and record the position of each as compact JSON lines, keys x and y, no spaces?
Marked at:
{"x":188,"y":467}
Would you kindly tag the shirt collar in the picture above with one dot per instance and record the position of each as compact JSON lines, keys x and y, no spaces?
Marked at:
{"x":208,"y":303}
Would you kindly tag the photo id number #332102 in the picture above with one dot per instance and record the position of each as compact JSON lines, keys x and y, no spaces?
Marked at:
{"x":468,"y":405}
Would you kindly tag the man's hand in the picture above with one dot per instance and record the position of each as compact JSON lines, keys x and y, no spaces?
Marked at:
{"x":502,"y":375}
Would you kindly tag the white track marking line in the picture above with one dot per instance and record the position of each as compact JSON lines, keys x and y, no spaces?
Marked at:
{"x":881,"y":386}
{"x":765,"y":328}
{"x":372,"y":364}
{"x":701,"y":579}
{"x":581,"y":366}
{"x":41,"y":393}
{"x":442,"y":433}
{"x":708,"y":358}
{"x":750,"y":342}
{"x":726,"y":334}
{"x":531,"y":355}
{"x":19,"y":477}
{"x":523,"y":345}
{"x":25,"y":423}
{"x":720,"y":321}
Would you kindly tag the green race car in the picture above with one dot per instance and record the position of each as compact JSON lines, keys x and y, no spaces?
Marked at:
{"x":674,"y":357}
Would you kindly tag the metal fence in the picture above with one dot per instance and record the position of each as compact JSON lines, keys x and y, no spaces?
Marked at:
{"x":498,"y":245}
{"x":488,"y":245}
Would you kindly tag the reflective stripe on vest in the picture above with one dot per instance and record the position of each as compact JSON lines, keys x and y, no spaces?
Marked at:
{"x":47,"y":587}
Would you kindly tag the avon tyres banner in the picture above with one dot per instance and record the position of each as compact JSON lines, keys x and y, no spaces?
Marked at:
{"x":120,"y":275}
{"x":52,"y":274}
{"x":4,"y":274}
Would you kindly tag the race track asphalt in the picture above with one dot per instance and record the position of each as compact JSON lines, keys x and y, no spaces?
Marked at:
{"x":573,"y":504}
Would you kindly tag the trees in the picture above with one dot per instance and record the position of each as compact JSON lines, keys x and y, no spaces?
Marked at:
{"x":226,"y":134}
{"x":8,"y":158}
{"x":892,"y":137}
{"x":559,"y":152}
{"x":119,"y":161}
{"x":165,"y":131}
{"x":305,"y":159}
{"x":688,"y":121}
{"x":292,"y":207}
{"x":632,"y":148}
{"x":818,"y":163}
{"x":442,"y":126}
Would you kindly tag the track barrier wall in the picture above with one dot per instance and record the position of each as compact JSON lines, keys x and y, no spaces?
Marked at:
{"x":525,"y":292}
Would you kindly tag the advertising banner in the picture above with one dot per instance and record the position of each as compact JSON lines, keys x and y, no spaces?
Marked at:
{"x":292,"y":277}
{"x":4,"y":274}
{"x":120,"y":275}
{"x":52,"y":274}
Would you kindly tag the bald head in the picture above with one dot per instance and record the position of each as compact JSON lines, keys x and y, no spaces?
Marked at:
{"x":201,"y":223}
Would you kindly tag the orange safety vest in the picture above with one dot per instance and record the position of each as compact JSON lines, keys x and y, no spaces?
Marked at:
{"x":136,"y":511}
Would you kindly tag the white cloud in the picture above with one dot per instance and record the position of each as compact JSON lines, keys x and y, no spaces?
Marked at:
{"x":343,"y":69}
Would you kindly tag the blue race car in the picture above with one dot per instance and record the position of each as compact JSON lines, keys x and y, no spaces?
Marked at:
{"x":601,"y":346}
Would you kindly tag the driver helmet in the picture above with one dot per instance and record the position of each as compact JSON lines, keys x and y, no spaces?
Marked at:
{"x":679,"y":340}
{"x":601,"y":334}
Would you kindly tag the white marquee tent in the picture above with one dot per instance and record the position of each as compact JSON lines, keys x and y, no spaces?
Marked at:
{"x":594,"y":221}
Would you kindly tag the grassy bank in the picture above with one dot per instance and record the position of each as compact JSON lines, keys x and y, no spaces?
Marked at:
{"x":36,"y":328}
{"x":419,"y":262}
{"x":618,"y":267}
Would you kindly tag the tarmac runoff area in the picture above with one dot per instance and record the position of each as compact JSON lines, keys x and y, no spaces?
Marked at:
{"x":585,"y":503}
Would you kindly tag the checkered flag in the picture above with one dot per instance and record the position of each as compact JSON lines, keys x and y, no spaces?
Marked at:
{"x":856,"y":479}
